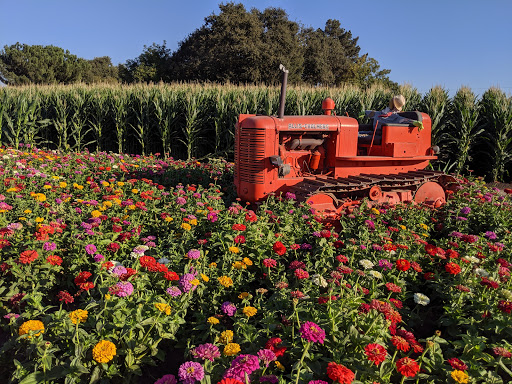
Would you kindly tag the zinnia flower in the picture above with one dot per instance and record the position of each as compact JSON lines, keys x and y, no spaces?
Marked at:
{"x":339,"y":373}
{"x":452,"y":268}
{"x":167,"y":379}
{"x":407,"y":367}
{"x":266,"y":356}
{"x":421,"y":299}
{"x":312,"y":332}
{"x":241,"y":366}
{"x":376,"y":353}
{"x":206,"y":351}
{"x":78,"y":316}
{"x":460,"y":376}
{"x":190,"y":372}
{"x":279,"y":248}
{"x":228,"y":308}
{"x":31,"y":325}
{"x":231,"y":349}
{"x":104,"y":351}
{"x":225,"y":281}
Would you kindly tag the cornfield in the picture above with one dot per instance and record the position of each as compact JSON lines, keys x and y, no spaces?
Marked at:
{"x":197,"y":121}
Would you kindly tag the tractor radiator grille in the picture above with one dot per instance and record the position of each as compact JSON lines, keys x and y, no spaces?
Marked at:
{"x":251,"y":157}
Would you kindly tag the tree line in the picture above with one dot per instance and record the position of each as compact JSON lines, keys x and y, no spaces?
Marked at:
{"x":236,"y":45}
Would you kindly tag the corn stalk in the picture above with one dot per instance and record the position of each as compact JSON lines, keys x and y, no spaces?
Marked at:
{"x":24,"y":123}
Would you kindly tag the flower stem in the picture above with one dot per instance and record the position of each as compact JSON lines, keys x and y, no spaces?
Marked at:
{"x":299,"y":366}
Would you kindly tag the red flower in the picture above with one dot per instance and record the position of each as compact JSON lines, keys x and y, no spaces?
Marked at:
{"x":393,"y":287}
{"x":339,"y":373}
{"x":431,"y":249}
{"x":28,"y":256}
{"x":505,"y":306}
{"x":129,"y":273}
{"x":279,"y":248}
{"x":403,"y":265}
{"x":416,"y":267}
{"x":301,"y":274}
{"x":147,"y":261}
{"x":113,"y":247}
{"x":325,"y":233}
{"x":400,"y":343}
{"x":81,"y":280}
{"x":452,"y":268}
{"x":229,"y":380}
{"x":65,"y":297}
{"x":407,"y":367}
{"x":457,"y":364}
{"x":54,"y":260}
{"x":376,"y":353}
{"x":238,"y":227}
{"x":429,"y":276}
{"x":272,"y":345}
{"x":251,"y":217}
{"x":171,"y":276}
{"x":240,"y":239}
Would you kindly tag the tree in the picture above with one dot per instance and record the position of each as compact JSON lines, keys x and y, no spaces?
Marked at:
{"x":100,"y":69}
{"x":151,"y":65}
{"x":24,"y":64}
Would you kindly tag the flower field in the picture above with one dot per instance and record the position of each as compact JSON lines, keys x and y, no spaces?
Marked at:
{"x":134,"y":269}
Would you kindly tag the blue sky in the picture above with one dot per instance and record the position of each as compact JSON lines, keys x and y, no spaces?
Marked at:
{"x":424,"y":43}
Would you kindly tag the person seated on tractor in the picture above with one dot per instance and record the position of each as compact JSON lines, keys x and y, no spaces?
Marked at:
{"x":390,"y":115}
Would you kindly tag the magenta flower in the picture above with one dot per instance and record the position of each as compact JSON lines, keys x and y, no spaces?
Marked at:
{"x":181,"y":200}
{"x":272,"y":379}
{"x":90,"y":249}
{"x":185,"y":282}
{"x":122,"y":289}
{"x":266,"y":356}
{"x":190,"y":372}
{"x":206,"y":351}
{"x":173,"y":291}
{"x":242,"y":365}
{"x":194,"y":254}
{"x":318,"y":382}
{"x":167,"y":379}
{"x":312,"y":332}
{"x":228,"y":308}
{"x":48,"y":246}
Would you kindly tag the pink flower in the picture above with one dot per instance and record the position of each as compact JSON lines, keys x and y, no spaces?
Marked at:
{"x":242,"y":365}
{"x":266,"y":356}
{"x":167,"y":379}
{"x":312,"y":332}
{"x":190,"y":372}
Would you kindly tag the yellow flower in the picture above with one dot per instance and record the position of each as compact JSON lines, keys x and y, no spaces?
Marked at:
{"x":31,"y":325}
{"x":163,"y":308}
{"x":105,"y":183}
{"x":375,"y":211}
{"x":239,"y":265}
{"x":193,"y":221}
{"x":205,"y":278}
{"x":107,"y":297}
{"x":460,"y":376}
{"x":226,"y":281}
{"x":46,"y":186}
{"x":9,"y":190}
{"x":279,"y":365}
{"x":186,"y":226}
{"x":63,"y":184}
{"x":213,"y":265}
{"x":247,"y":261}
{"x":194,"y":282}
{"x":78,"y":316}
{"x":168,"y":219}
{"x":27,"y":211}
{"x":78,"y":186}
{"x":424,"y":226}
{"x":131,"y":207}
{"x":424,"y":234}
{"x":213,"y":320}
{"x":234,"y":249}
{"x":403,"y":227}
{"x":39,"y":220}
{"x":231,"y":349}
{"x":40,"y":197}
{"x":22,"y":218}
{"x":244,"y":295}
{"x":135,"y":191}
{"x":226,"y":337}
{"x":120,"y":184}
{"x":104,"y":351}
{"x":95,"y":213}
{"x":249,"y":311}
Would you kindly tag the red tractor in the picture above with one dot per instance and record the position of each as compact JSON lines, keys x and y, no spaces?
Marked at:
{"x":333,"y":162}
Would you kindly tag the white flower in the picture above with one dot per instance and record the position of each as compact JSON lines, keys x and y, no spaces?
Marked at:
{"x":164,"y":260}
{"x":506,"y":294}
{"x":366,"y":264}
{"x":136,"y":255}
{"x":319,"y":280}
{"x":473,"y":259}
{"x":481,"y":272}
{"x":420,"y":298}
{"x":375,"y":274}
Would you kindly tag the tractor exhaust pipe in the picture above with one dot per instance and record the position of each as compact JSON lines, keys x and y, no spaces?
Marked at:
{"x":282,"y":97}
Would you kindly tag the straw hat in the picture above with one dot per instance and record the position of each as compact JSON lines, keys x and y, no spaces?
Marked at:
{"x":397,"y":102}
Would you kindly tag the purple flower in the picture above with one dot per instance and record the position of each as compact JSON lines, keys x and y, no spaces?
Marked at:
{"x":98,"y":257}
{"x":266,"y":356}
{"x":119,"y":270}
{"x":122,"y":289}
{"x":370,"y":224}
{"x":194,"y":254}
{"x":386,"y":264}
{"x":167,"y":379}
{"x":181,"y":200}
{"x":456,"y":234}
{"x":228,"y":308}
{"x":90,"y":249}
{"x":190,"y":372}
{"x":206,"y":351}
{"x":48,"y":246}
{"x":290,"y":196}
{"x":242,"y":365}
{"x":185,"y":282}
{"x":173,"y":291}
{"x":465,"y":211}
{"x":491,"y":235}
{"x":312,"y":332}
{"x":318,"y":382}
